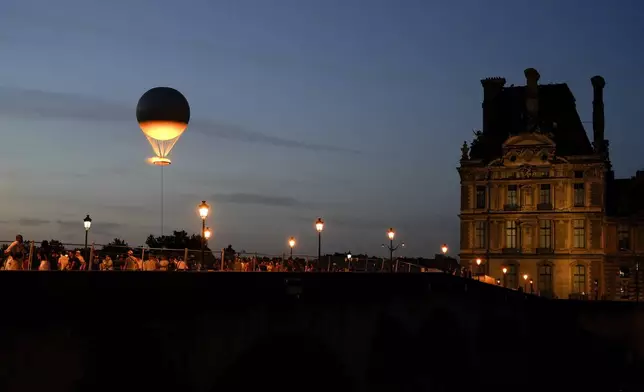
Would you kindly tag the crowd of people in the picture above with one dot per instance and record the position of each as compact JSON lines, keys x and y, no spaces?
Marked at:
{"x":45,"y":258}
{"x":16,"y":257}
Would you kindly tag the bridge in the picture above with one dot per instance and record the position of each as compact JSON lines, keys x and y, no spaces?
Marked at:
{"x":104,"y":331}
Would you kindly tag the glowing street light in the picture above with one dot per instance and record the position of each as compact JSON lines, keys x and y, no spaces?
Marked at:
{"x":204,"y":210}
{"x":291,"y":244}
{"x":319,"y":226}
{"x":87,"y":223}
{"x":525,"y":282}
{"x":207,"y":233}
{"x":444,"y":249}
{"x":391,"y":234}
{"x":478,"y":265}
{"x":505,"y":275}
{"x":349,"y":259}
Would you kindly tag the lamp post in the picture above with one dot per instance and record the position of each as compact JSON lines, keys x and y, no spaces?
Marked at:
{"x":319,"y":226}
{"x":87,"y":223}
{"x":478,"y":264}
{"x":531,"y":286}
{"x":206,"y":234}
{"x":525,"y":282}
{"x":391,"y":234}
{"x":204,"y":210}
{"x":349,"y":260}
{"x":291,"y":244}
{"x":444,"y":249}
{"x":505,"y":274}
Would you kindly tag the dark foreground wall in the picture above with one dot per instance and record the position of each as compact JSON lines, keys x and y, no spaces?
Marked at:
{"x":144,"y":331}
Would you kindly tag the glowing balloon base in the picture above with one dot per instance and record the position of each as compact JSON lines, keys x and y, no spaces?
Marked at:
{"x":159,"y":161}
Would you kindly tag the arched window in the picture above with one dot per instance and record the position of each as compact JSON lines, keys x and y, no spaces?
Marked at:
{"x":545,"y":279}
{"x":579,"y":278}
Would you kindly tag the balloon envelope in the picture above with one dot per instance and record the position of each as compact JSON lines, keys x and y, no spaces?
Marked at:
{"x":163,"y":114}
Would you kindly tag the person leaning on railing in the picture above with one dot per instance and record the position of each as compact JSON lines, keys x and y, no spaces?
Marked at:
{"x":16,"y":254}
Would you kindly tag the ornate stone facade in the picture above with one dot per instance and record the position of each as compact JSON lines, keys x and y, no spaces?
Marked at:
{"x":535,"y":195}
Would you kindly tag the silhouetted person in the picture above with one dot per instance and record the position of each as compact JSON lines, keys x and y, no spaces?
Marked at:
{"x":16,"y":252}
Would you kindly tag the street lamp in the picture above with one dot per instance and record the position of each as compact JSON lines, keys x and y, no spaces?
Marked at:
{"x":291,"y":244}
{"x":204,"y":210}
{"x":207,"y":233}
{"x":444,"y":249}
{"x":391,"y":234}
{"x":525,"y":282}
{"x":319,"y":226}
{"x":478,"y":264}
{"x":87,"y":223}
{"x":349,"y":260}
{"x":505,"y":271}
{"x":531,"y":286}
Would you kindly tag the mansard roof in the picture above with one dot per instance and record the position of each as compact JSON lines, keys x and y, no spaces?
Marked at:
{"x":625,"y":196}
{"x":558,"y":118}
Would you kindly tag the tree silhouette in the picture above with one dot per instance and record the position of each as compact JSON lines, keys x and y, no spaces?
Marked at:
{"x":178,"y":240}
{"x":116,"y":246}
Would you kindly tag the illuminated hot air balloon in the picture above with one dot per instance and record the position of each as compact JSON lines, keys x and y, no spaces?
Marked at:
{"x":163,"y":114}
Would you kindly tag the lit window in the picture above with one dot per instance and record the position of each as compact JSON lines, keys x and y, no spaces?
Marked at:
{"x":545,"y":279}
{"x":480,"y":234}
{"x":511,"y":234}
{"x":513,"y":198}
{"x":545,"y":234}
{"x":579,"y":279}
{"x":480,"y":196}
{"x":579,"y":233}
{"x":580,"y":195}
{"x":544,"y":194}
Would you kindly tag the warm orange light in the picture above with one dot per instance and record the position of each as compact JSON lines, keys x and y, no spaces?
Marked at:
{"x":207,"y":233}
{"x":525,"y":276}
{"x":159,"y":161}
{"x":291,"y":242}
{"x":319,"y":225}
{"x":478,"y":261}
{"x":505,"y":270}
{"x":204,"y":209}
{"x":163,"y":130}
{"x":391,"y":233}
{"x":162,"y":135}
{"x":444,"y":248}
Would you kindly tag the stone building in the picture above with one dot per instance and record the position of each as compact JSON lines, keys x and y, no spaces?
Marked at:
{"x":538,"y":199}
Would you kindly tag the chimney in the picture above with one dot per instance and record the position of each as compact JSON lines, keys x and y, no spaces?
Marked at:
{"x":532,"y":98}
{"x":492,"y":87}
{"x":598,"y":113}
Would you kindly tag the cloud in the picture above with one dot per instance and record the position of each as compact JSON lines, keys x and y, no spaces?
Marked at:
{"x":39,"y":104}
{"x":28,"y":103}
{"x":32,"y":222}
{"x":232,"y":132}
{"x":250,"y":198}
{"x":102,"y":228}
